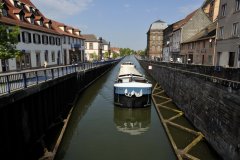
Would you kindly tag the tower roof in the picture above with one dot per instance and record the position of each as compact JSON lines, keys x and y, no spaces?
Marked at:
{"x":158,"y":25}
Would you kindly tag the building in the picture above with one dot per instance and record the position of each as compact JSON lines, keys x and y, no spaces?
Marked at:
{"x":155,"y":39}
{"x":72,"y":43}
{"x":106,"y":48}
{"x":40,"y":39}
{"x":200,"y":49}
{"x":211,"y":8}
{"x":193,"y":24}
{"x":228,"y":34}
{"x":95,"y":47}
{"x":167,"y":34}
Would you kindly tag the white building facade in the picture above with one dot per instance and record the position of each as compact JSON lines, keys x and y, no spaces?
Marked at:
{"x":39,"y":40}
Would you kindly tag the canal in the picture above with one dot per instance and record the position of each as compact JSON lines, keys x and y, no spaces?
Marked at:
{"x":99,"y":130}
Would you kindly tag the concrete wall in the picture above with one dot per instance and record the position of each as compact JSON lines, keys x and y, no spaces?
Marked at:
{"x":26,"y":116}
{"x":212,"y":105}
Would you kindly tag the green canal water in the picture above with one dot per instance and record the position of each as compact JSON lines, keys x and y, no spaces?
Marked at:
{"x":98,"y":130}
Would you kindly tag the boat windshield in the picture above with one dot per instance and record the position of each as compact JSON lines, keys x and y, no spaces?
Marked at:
{"x":132,"y":79}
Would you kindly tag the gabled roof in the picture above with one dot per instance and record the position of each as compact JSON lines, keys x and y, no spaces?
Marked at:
{"x":56,"y":26}
{"x":12,"y":19}
{"x":90,"y":38}
{"x":182,"y":22}
{"x":206,"y":33}
{"x":105,"y":42}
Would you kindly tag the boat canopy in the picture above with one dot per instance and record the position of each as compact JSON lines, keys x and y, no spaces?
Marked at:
{"x":128,"y":70}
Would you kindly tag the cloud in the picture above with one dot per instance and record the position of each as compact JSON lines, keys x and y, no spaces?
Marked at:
{"x":56,"y":9}
{"x":188,"y":8}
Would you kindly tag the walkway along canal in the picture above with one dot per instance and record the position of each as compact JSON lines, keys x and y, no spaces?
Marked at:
{"x":99,"y":130}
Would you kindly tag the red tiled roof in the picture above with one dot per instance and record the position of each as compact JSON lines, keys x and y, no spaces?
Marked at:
{"x":29,"y":15}
{"x":38,"y":18}
{"x":56,"y":26}
{"x":12,"y":19}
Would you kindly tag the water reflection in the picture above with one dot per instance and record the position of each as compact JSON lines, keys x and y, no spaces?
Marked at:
{"x":132,"y":121}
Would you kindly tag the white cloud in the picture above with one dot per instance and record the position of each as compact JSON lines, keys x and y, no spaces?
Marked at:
{"x":56,"y":9}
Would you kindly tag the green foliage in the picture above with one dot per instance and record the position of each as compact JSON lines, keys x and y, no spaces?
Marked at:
{"x":141,"y":53}
{"x":115,"y":55}
{"x":106,"y":55}
{"x":126,"y":52}
{"x":8,"y":42}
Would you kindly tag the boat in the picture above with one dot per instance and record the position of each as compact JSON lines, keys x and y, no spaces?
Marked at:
{"x":131,"y":88}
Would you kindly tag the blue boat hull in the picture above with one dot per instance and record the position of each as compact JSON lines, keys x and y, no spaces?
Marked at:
{"x":132,"y":102}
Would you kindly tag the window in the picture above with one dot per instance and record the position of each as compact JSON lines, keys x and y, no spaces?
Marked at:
{"x":204,"y":44}
{"x":46,"y":55}
{"x":238,"y":53}
{"x":31,"y":9}
{"x":44,"y":39}
{"x":237,"y":5}
{"x":221,"y":32}
{"x":32,"y":20}
{"x":41,"y":23}
{"x":90,"y":45}
{"x":17,"y":4}
{"x":4,"y":12}
{"x":223,"y":12}
{"x":26,"y":37}
{"x":21,"y":17}
{"x":235,"y":29}
{"x":58,"y":41}
{"x":53,"y":56}
{"x":52,"y":40}
{"x":36,"y":38}
{"x":210,"y":59}
{"x":154,"y":38}
{"x":64,"y":39}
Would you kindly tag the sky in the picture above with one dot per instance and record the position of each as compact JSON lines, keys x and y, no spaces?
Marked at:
{"x":122,"y":22}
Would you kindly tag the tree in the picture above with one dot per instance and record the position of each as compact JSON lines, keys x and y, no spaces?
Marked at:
{"x":8,"y":42}
{"x":115,"y":55}
{"x":106,"y":55}
{"x":125,"y":51}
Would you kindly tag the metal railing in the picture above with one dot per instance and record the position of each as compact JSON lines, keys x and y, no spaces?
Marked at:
{"x":10,"y":82}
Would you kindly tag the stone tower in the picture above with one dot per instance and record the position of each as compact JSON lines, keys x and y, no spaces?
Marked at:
{"x":155,"y":39}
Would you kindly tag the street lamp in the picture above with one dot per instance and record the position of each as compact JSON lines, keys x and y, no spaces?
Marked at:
{"x":100,"y":48}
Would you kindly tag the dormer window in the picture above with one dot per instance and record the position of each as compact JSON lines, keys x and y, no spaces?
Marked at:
{"x":22,"y":5}
{"x":31,"y":9}
{"x":21,"y":17}
{"x":4,"y":10}
{"x":48,"y":23}
{"x":39,"y":20}
{"x":30,"y":17}
{"x":19,"y":13}
{"x":17,"y":4}
{"x":32,"y":20}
